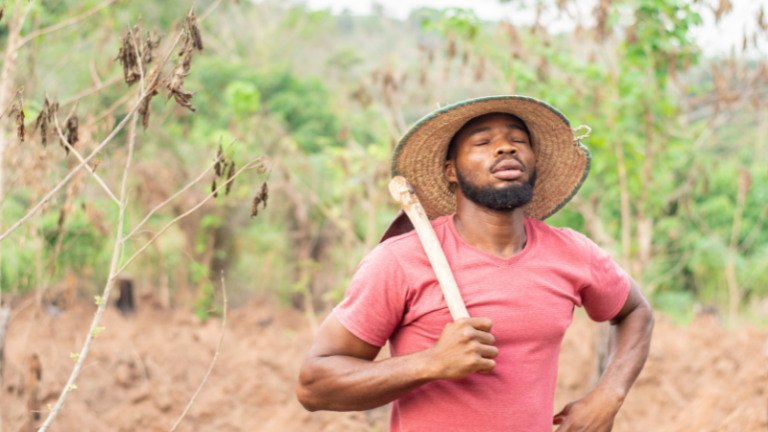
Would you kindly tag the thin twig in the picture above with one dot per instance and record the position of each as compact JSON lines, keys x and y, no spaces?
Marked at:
{"x":208,"y":11}
{"x":91,"y":156}
{"x":62,"y":24}
{"x":21,"y":91}
{"x":80,"y":157}
{"x":90,"y":91}
{"x":215,"y":355}
{"x":109,"y":110}
{"x":179,"y":192}
{"x":252,"y":164}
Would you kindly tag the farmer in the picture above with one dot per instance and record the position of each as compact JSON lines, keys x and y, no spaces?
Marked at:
{"x":487,"y":171}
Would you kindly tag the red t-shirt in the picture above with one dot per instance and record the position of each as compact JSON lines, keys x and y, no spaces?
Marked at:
{"x":530,"y":298}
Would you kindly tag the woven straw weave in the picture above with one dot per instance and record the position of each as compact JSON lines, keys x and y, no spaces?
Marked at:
{"x":562,"y":163}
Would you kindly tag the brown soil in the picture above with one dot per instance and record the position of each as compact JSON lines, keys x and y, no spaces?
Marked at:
{"x":143,"y":370}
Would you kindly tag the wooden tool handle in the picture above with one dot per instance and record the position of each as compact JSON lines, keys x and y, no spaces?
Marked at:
{"x":403,"y":193}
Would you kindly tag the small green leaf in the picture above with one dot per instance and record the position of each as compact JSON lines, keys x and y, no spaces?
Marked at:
{"x":96,"y":330}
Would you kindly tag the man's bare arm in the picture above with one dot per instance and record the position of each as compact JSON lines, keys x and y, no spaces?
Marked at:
{"x":339,"y":373}
{"x":629,"y":343}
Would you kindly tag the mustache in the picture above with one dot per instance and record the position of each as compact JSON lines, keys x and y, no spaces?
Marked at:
{"x":503,"y":158}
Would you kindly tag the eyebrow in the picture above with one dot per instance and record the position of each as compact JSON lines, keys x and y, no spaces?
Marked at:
{"x":487,"y":128}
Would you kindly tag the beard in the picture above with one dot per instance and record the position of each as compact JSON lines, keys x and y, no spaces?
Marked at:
{"x":507,"y":198}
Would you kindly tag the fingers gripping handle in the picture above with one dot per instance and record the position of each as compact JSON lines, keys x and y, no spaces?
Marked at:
{"x":403,"y":193}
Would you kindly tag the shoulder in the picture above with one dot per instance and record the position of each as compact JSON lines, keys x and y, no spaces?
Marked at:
{"x":409,"y":242}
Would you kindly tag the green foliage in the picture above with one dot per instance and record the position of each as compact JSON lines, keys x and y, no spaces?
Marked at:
{"x":243,"y":97}
{"x":459,"y":21}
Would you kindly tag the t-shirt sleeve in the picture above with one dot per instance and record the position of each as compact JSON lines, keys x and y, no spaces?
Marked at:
{"x":607,"y":285}
{"x":375,"y":300}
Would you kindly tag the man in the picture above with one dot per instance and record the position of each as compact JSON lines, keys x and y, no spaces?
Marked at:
{"x":487,"y":171}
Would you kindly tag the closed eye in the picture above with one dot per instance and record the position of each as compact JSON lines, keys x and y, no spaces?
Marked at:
{"x":482,"y":143}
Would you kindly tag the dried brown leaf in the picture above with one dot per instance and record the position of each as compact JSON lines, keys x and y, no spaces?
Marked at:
{"x":150,"y":44}
{"x":264,"y":192}
{"x":96,"y":165}
{"x":260,"y":198}
{"x":21,"y":131}
{"x":255,"y":206}
{"x":41,"y":124}
{"x":213,"y":188}
{"x":145,"y":110}
{"x":220,"y":164}
{"x":129,"y":60}
{"x":2,"y":12}
{"x":194,"y":30}
{"x":175,"y":81}
{"x":175,"y":86}
{"x":723,"y":7}
{"x":230,"y":175}
{"x":72,"y":131}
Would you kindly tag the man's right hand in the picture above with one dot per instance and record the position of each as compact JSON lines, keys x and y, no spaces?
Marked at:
{"x":464,"y":347}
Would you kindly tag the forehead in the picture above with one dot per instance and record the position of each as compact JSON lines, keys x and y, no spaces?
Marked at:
{"x":490,"y":120}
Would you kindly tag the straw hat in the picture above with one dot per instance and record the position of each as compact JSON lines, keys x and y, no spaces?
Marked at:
{"x":562,"y":162}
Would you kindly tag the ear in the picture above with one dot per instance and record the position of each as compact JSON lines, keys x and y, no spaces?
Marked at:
{"x":449,"y":169}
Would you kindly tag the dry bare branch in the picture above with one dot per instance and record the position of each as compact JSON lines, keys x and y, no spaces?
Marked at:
{"x":13,"y":101}
{"x":107,"y":112}
{"x":164,"y":203}
{"x":80,"y":157}
{"x":210,"y":9}
{"x":215,"y":355}
{"x":252,"y":164}
{"x":90,"y":91}
{"x":82,"y":164}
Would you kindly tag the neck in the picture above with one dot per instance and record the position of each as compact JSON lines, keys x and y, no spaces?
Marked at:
{"x":501,"y":233}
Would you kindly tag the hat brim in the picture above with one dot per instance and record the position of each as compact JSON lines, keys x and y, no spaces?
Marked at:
{"x":562,"y":163}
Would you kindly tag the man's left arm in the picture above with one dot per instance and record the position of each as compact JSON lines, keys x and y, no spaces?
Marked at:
{"x":629,"y":342}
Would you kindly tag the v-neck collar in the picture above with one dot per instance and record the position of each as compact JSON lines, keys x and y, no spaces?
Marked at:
{"x":529,"y":244}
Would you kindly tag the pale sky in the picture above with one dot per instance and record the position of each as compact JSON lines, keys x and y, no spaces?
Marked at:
{"x":714,"y":39}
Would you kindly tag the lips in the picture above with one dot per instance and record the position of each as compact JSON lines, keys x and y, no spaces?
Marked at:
{"x":508,"y":169}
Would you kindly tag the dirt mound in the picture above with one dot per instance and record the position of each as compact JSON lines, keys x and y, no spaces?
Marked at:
{"x":142,"y":371}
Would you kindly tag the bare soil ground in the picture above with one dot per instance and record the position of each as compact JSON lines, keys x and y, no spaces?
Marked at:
{"x":143,"y":370}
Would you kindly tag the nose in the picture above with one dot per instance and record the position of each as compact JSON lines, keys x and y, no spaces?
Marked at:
{"x":504,"y":146}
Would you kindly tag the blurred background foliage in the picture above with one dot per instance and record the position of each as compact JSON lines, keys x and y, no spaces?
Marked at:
{"x":678,"y":191}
